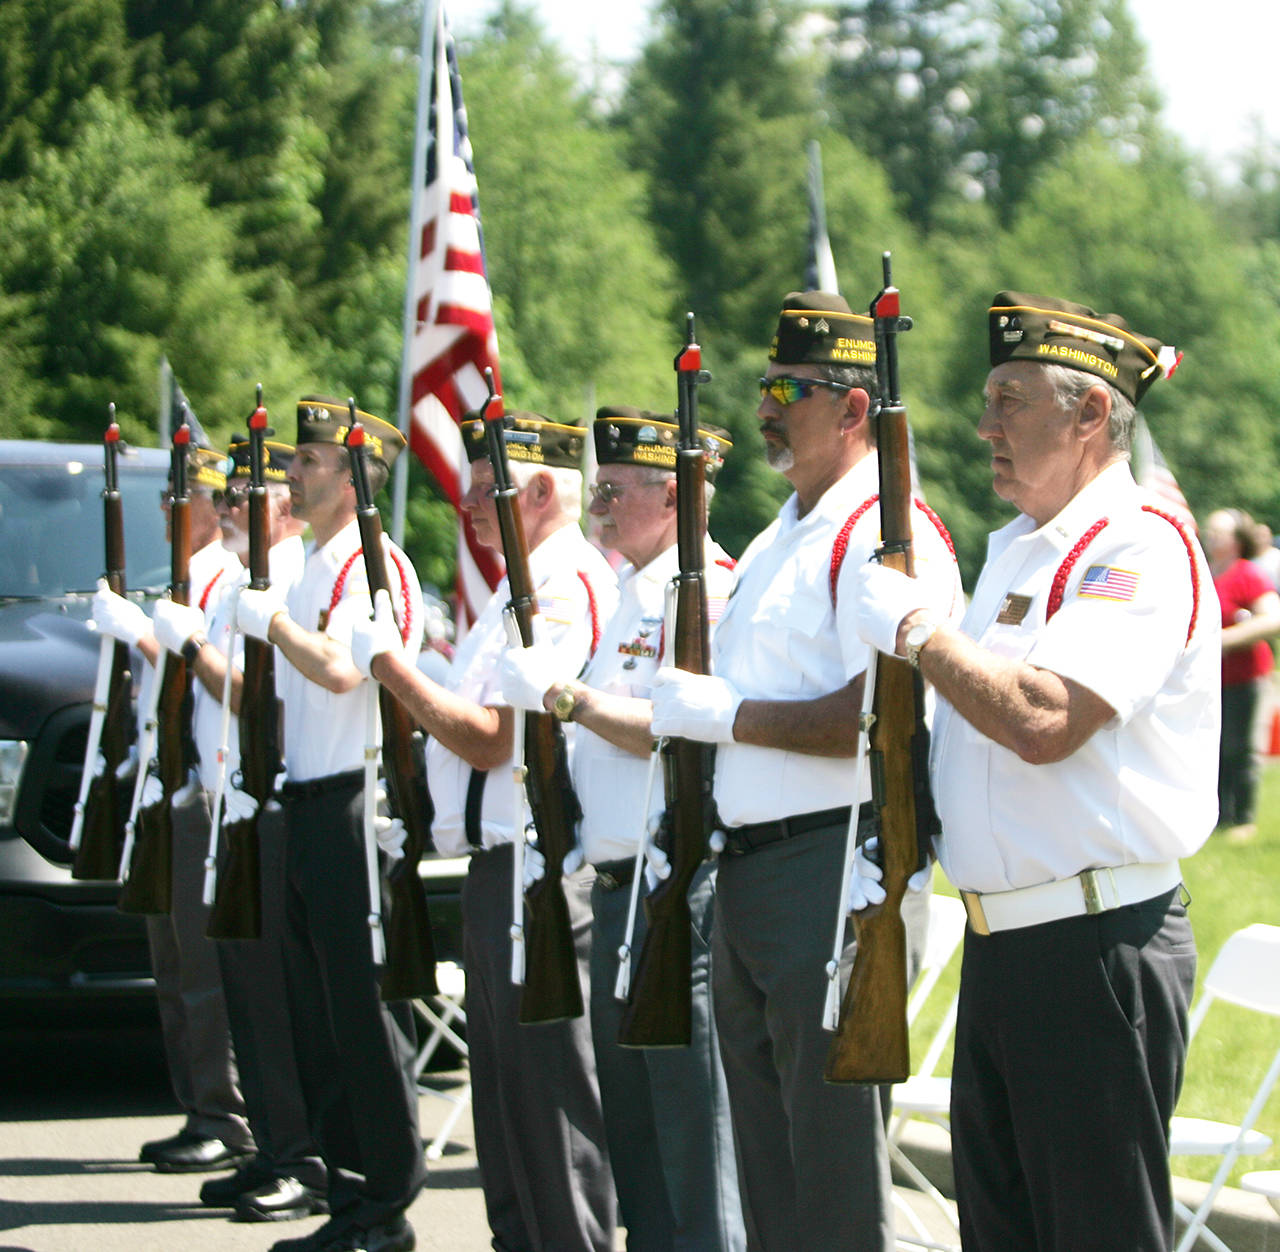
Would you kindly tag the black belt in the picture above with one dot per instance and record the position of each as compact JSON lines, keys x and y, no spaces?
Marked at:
{"x":739,"y":840}
{"x":614,"y":875}
{"x":353,"y":778}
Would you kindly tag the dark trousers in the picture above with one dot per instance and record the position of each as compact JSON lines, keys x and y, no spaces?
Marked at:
{"x":1069,"y":1057}
{"x":253,"y":982}
{"x":1238,"y":765}
{"x":353,"y":1051}
{"x":539,"y":1131}
{"x":666,"y":1110}
{"x":193,"y":1012}
{"x":813,"y":1168}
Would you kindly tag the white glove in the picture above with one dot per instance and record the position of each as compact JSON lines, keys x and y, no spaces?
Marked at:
{"x":118,"y":617}
{"x":693,"y":706}
{"x":866,"y":876}
{"x":573,"y":861}
{"x":535,"y":865}
{"x":882,"y":597}
{"x":371,"y":637}
{"x":716,"y":841}
{"x":100,"y":765}
{"x":527,"y":673}
{"x":256,"y":610}
{"x":152,"y":792}
{"x":129,"y":765}
{"x":391,"y":834}
{"x":237,"y":805}
{"x":175,"y":623}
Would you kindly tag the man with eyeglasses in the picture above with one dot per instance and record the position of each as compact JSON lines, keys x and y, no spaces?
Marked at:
{"x":189,"y":990}
{"x":782,"y":704}
{"x":665,"y":1109}
{"x":539,"y":1131}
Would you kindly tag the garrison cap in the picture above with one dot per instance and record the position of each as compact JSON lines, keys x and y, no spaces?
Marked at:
{"x":206,"y":468}
{"x":819,"y":328}
{"x":275,"y":461}
{"x":1025,"y":327}
{"x":629,"y":436}
{"x":322,"y":419}
{"x":531,"y":439}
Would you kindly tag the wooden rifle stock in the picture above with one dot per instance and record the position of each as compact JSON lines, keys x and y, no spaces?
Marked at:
{"x":872,"y":1044}
{"x":552,"y":991}
{"x":659,"y":1008}
{"x":237,"y":905}
{"x":410,"y":971}
{"x":149,"y":885}
{"x":102,"y":836}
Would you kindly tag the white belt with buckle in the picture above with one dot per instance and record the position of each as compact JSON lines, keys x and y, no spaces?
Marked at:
{"x":1093,"y":891}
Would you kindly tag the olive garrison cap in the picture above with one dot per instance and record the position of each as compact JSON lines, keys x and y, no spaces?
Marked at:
{"x":819,"y":328}
{"x":206,"y":468}
{"x":322,"y":419}
{"x":1026,"y":327}
{"x":276,"y":458}
{"x":531,"y":439}
{"x":629,"y":436}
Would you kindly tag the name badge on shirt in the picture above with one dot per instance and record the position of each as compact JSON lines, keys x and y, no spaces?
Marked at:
{"x":1014,"y":609}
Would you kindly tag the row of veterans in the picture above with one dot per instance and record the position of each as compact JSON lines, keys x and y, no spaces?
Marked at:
{"x":1072,"y":763}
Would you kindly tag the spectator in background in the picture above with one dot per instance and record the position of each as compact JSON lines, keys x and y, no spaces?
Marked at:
{"x":1268,"y":558}
{"x":1250,"y":616}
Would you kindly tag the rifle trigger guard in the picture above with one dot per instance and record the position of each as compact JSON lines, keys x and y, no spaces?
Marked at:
{"x":865,"y":722}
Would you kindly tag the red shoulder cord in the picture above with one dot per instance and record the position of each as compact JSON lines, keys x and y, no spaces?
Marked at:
{"x":841,"y":545}
{"x":204,"y":598}
{"x":1058,"y":589}
{"x":594,"y":609}
{"x":406,"y":602}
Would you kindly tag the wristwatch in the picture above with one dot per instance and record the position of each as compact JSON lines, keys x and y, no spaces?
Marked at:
{"x":565,"y":703}
{"x":917,"y":636}
{"x":191,"y":649}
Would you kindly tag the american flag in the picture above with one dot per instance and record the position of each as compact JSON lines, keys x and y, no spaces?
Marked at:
{"x":1105,"y":582}
{"x":1152,"y":472}
{"x":449,"y":331}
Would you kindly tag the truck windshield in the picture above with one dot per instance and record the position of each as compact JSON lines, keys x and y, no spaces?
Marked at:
{"x":51,"y":539}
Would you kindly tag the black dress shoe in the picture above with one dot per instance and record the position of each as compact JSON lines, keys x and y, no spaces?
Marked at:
{"x":222,"y":1193}
{"x":331,"y":1237}
{"x":393,"y":1235}
{"x":198,"y":1155}
{"x":156,"y":1147}
{"x":279,"y":1200}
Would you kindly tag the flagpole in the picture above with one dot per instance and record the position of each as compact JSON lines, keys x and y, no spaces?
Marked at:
{"x":400,"y":487}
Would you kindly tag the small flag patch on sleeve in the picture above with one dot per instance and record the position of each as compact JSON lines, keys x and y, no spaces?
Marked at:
{"x":1105,"y":582}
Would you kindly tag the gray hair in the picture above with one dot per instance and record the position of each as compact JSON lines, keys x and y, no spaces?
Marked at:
{"x":568,"y":484}
{"x":1069,"y":387}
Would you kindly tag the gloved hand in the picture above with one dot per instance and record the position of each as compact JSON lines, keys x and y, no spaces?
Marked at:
{"x":657,"y":864}
{"x":118,"y":617}
{"x":882,"y":597}
{"x":391,"y":834}
{"x":129,"y":766}
{"x":371,"y":637}
{"x":573,"y":861}
{"x":866,"y":876}
{"x":237,"y":805}
{"x":188,"y":791}
{"x":693,"y":706}
{"x":152,"y":792}
{"x":535,"y":865}
{"x":256,"y":610}
{"x":175,"y":623}
{"x":527,"y":673}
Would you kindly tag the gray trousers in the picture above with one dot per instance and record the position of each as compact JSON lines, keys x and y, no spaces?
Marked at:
{"x":540,"y":1136}
{"x":812,"y":1165}
{"x":193,"y":1012}
{"x":666,"y":1110}
{"x":253,"y":981}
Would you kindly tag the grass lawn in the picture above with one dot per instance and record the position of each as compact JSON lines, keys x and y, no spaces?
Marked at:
{"x":1231,"y":886}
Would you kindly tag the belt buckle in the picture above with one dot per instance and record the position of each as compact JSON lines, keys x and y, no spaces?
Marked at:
{"x":977,"y":916}
{"x":1091,"y":883}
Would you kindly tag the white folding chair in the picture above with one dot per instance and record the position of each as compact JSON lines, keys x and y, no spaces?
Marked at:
{"x":1246,"y":972}
{"x":925,"y":1094}
{"x":1264,"y":1182}
{"x":442,"y":1010}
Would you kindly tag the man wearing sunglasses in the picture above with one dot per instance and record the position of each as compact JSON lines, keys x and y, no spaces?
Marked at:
{"x":783,"y":703}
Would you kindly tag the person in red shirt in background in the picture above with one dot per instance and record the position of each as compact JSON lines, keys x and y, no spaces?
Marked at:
{"x":1250,"y":616}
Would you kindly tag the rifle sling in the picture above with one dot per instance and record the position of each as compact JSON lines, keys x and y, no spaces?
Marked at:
{"x":475,"y":802}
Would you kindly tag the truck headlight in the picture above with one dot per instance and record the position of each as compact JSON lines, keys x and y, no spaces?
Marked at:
{"x":13,"y":753}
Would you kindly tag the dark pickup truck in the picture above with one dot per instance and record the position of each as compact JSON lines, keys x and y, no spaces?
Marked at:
{"x":61,"y":938}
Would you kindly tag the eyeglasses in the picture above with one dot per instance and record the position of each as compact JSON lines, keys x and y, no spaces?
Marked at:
{"x":607,"y":493}
{"x":166,"y":495}
{"x":232,"y":497}
{"x":786,"y":389}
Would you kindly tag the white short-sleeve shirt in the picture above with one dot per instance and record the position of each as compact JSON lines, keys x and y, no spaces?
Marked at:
{"x":1143,"y":787}
{"x":783,"y":638}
